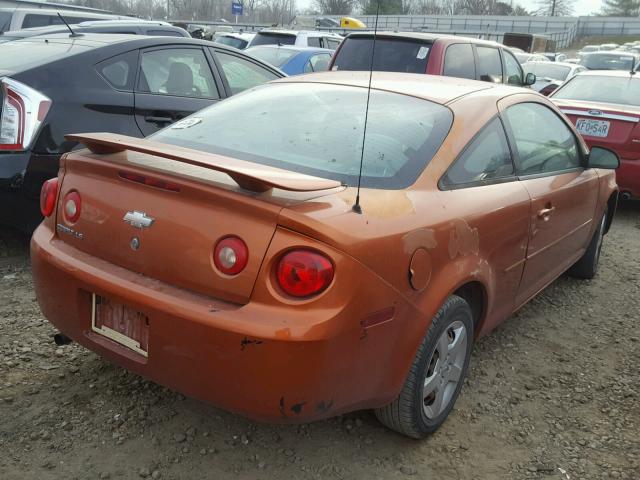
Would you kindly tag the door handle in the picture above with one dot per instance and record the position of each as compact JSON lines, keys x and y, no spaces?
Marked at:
{"x":546,"y":212}
{"x":153,"y":119}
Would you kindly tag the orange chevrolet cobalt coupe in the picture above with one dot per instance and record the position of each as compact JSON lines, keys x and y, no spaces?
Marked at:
{"x":223,"y":257}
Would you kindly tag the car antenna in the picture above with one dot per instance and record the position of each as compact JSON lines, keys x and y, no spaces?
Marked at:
{"x":356,"y":206}
{"x":73,"y":34}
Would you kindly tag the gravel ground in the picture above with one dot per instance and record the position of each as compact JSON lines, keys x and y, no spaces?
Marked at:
{"x":552,"y":393}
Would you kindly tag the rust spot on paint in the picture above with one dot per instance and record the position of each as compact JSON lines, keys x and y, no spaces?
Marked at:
{"x":421,"y":238}
{"x":463,"y":240}
{"x":245,"y":341}
{"x":297,"y":407}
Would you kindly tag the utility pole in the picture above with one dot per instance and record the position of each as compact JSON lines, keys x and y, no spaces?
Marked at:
{"x":553,"y":8}
{"x":168,"y":11}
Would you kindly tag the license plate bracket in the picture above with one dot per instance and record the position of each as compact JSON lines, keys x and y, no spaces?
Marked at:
{"x":120,"y":323}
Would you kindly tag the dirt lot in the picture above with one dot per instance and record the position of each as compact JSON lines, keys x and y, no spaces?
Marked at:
{"x":553,"y":393}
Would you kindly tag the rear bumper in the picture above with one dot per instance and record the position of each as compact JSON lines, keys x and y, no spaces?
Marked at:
{"x":628,"y":177}
{"x":241,"y":358}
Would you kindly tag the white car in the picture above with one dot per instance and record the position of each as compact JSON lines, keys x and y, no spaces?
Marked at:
{"x":301,"y":38}
{"x":531,"y":57}
{"x":550,"y":75}
{"x":236,"y":40}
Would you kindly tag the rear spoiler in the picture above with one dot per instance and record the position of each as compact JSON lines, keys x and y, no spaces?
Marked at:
{"x":250,"y":176}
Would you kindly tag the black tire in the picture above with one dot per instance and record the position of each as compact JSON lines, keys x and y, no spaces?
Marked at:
{"x":409,"y":413}
{"x":587,"y":266}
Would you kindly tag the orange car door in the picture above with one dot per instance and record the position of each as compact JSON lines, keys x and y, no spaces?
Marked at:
{"x":549,"y":163}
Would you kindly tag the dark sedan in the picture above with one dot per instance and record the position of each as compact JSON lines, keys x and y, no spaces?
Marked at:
{"x":54,"y":85}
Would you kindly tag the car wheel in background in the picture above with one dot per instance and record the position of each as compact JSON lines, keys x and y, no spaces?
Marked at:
{"x":436,"y":374}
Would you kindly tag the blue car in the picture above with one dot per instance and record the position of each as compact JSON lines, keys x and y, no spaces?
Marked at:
{"x":291,"y":59}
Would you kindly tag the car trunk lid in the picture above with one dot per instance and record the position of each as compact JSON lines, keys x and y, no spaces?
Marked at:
{"x":162,"y":217}
{"x":612,"y":126}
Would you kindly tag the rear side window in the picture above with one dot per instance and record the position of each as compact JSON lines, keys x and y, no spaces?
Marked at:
{"x":544,"y":143}
{"x":489,"y":65}
{"x":5,"y":21}
{"x":486,"y":158}
{"x":391,"y":55}
{"x":269,"y":38}
{"x":36,"y":20}
{"x":313,"y":42}
{"x":242,"y":74}
{"x":119,"y":71}
{"x":459,"y":61}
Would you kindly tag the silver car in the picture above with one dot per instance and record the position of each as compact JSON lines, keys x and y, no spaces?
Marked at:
{"x":550,"y":75}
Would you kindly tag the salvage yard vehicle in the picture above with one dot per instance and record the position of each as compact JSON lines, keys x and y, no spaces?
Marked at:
{"x":610,"y":61}
{"x":237,"y":40}
{"x":550,"y":75}
{"x":18,"y":18}
{"x":250,"y":272}
{"x":55,"y":84}
{"x":300,"y":38}
{"x":605,"y":106}
{"x":293,"y":60}
{"x":434,"y":54}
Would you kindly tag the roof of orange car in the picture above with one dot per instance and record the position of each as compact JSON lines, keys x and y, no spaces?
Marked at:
{"x":439,"y":89}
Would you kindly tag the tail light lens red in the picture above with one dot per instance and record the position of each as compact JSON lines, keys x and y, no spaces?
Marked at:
{"x":72,"y":205}
{"x":230,"y":255}
{"x":549,"y":89}
{"x":48,"y":196}
{"x":303,"y":273}
{"x":23,"y":111}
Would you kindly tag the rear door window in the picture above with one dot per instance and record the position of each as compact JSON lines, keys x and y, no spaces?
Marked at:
{"x":489,"y":65}
{"x":183,"y":72}
{"x":37,"y":20}
{"x":391,"y":55}
{"x":459,"y":61}
{"x":313,"y":41}
{"x":317,"y":63}
{"x":242,"y":74}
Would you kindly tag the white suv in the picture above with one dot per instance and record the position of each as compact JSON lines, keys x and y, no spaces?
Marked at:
{"x":305,"y":38}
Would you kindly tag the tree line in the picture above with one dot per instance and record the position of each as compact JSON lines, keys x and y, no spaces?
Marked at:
{"x":283,"y":12}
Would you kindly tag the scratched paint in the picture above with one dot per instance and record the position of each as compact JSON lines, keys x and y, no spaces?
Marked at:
{"x":463,"y":240}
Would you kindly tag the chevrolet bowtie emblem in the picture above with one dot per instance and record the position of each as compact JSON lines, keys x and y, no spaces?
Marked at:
{"x":138,"y":219}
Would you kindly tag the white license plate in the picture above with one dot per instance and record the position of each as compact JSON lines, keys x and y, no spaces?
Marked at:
{"x":593,"y":128}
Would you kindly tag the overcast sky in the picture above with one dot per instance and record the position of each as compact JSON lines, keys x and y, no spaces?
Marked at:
{"x":581,"y":7}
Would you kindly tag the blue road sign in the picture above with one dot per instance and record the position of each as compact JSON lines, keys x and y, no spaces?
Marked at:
{"x":236,"y":8}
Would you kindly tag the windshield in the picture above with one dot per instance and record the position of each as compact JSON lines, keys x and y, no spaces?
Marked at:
{"x":555,"y":72}
{"x":232,"y":42}
{"x":272,"y":38}
{"x":590,"y":88}
{"x":317,"y":129}
{"x":611,"y":61}
{"x":273,"y":55}
{"x":391,"y":55}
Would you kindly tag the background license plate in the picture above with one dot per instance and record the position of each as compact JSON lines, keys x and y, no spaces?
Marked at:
{"x":121,"y":324}
{"x":592,"y":128}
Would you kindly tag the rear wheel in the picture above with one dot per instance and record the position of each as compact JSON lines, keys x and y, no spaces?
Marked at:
{"x":436,"y":375}
{"x":587,"y":266}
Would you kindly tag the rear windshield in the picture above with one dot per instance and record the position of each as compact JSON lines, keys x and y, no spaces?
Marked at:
{"x":555,"y":72}
{"x":32,"y":52}
{"x":271,"y":38}
{"x":232,"y":42}
{"x":391,"y":55}
{"x":317,"y":129}
{"x":5,"y":21}
{"x":272,"y":55}
{"x":609,"y":61}
{"x":625,"y":91}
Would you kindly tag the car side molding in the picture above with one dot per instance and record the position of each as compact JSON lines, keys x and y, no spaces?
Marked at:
{"x":248,"y":175}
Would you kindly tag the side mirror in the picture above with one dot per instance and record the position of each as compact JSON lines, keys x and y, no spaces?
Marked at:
{"x":530,"y":79}
{"x":600,"y":157}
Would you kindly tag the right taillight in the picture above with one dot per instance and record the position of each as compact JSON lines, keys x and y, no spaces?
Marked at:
{"x":303,"y":273}
{"x":23,"y":111}
{"x":48,"y":196}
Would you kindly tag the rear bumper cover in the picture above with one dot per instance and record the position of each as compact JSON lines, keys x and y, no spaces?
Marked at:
{"x":208,"y":349}
{"x":628,"y":177}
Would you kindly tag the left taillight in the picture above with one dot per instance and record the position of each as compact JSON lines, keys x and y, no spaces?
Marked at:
{"x":48,"y":196}
{"x":23,"y":111}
